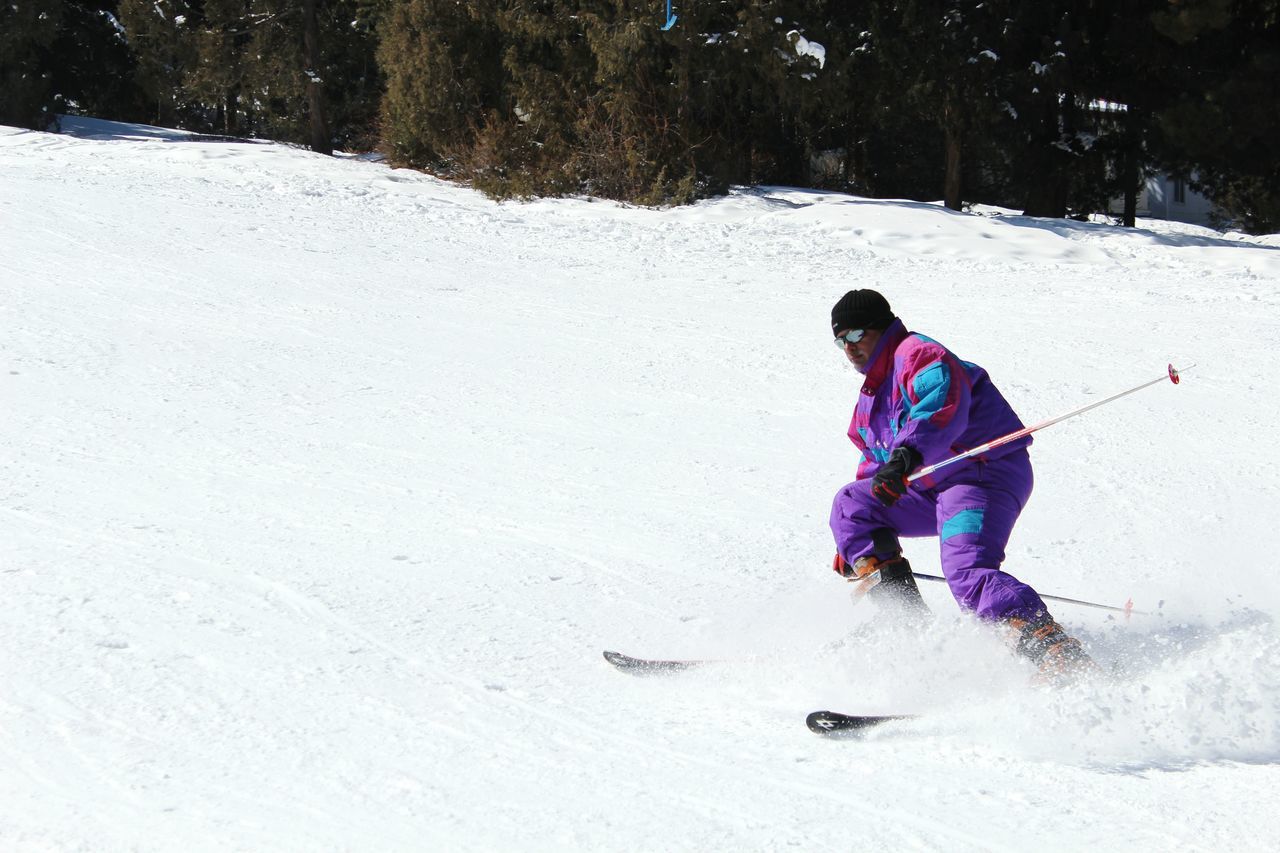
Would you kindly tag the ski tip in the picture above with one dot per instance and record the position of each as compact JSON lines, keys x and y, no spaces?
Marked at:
{"x":642,"y":666}
{"x":835,"y":724}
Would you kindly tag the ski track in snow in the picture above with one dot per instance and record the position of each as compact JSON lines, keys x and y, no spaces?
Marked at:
{"x":322,"y":486}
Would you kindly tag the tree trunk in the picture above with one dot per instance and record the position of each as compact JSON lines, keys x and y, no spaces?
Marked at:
{"x":855,"y":166}
{"x":951,"y":188}
{"x":952,"y":185}
{"x":320,"y":140}
{"x":1130,"y":188}
{"x":1047,"y":193}
{"x":1129,"y":167}
{"x":232,"y":127}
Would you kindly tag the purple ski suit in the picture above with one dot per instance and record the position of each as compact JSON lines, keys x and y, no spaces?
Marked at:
{"x":916,"y":393}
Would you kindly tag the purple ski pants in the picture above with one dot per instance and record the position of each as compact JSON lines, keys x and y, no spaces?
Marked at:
{"x":972,"y":513}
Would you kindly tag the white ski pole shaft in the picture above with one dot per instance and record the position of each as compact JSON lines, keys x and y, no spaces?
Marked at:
{"x":1173,"y":376}
{"x":1126,"y":609}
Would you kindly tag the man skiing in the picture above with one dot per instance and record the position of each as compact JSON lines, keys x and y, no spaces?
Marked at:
{"x":919,"y":405}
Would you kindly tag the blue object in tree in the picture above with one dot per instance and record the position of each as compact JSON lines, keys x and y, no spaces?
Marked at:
{"x":671,"y":19}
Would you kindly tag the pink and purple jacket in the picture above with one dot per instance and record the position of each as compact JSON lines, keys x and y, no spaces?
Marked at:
{"x":917,"y":394}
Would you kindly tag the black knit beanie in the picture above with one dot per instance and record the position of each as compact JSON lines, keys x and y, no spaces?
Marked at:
{"x":861,"y":309}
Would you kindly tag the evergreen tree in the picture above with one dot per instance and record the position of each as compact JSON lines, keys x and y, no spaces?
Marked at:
{"x":92,"y":67}
{"x":1049,"y":106}
{"x":941,"y":58}
{"x":591,"y":96}
{"x":161,"y":35}
{"x":442,"y":61}
{"x":270,"y":68}
{"x":64,"y":56}
{"x":217,"y":74}
{"x":1221,"y":125}
{"x":28,"y":31}
{"x":1131,"y":81}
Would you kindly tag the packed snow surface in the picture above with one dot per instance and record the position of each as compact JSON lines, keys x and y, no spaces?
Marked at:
{"x":324,"y":484}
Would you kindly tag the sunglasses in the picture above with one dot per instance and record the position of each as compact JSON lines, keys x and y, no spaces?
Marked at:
{"x":850,"y":337}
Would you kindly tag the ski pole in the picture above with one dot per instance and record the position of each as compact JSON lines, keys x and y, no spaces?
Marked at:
{"x":1173,"y":376}
{"x":1126,"y":610}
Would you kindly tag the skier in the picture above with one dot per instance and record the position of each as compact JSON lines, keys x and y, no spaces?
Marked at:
{"x":920,"y":404}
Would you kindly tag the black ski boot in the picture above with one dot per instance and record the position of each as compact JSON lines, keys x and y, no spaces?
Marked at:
{"x":889,"y":582}
{"x":1060,"y":658}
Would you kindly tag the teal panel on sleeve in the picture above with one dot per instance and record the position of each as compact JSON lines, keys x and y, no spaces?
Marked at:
{"x":930,"y":386}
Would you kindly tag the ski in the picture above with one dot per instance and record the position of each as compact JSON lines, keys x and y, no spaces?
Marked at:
{"x":835,"y":724}
{"x":643,"y":666}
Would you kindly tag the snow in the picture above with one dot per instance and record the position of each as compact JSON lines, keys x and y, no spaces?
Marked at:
{"x":325,"y":484}
{"x":804,"y":47}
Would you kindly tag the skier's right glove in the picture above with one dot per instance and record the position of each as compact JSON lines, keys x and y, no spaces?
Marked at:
{"x":890,"y":482}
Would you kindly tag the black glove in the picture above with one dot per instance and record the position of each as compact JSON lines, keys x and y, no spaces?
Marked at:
{"x":890,"y":482}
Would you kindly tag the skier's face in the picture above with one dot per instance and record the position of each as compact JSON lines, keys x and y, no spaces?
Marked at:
{"x":859,"y":354}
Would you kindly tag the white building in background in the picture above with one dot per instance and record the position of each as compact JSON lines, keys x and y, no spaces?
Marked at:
{"x":1162,"y":196}
{"x":1165,"y":197}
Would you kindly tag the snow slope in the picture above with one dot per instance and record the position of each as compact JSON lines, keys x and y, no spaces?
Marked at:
{"x":323,"y":484}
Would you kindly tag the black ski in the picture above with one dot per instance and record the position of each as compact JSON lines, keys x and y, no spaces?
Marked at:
{"x":642,"y":666}
{"x":833,"y":723}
